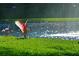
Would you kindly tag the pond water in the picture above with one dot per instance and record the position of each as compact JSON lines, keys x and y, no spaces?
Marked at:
{"x":66,"y":30}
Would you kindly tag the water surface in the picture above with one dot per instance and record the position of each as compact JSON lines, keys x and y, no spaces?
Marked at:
{"x":66,"y":30}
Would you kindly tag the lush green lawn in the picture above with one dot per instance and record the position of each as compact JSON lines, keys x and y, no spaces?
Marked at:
{"x":38,"y":46}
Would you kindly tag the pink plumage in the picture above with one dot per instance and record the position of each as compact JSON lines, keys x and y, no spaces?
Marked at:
{"x":21,"y":25}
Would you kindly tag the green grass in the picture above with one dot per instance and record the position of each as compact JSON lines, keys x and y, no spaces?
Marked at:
{"x":45,"y":19}
{"x":11,"y":46}
{"x":53,"y":19}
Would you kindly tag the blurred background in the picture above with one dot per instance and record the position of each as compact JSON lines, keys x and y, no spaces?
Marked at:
{"x":35,"y":10}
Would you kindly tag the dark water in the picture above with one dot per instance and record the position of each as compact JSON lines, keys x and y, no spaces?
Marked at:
{"x":66,"y":30}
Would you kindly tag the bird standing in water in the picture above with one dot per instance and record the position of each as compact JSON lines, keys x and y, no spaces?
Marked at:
{"x":23,"y":26}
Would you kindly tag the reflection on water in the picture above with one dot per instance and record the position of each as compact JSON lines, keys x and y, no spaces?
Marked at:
{"x":66,"y":30}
